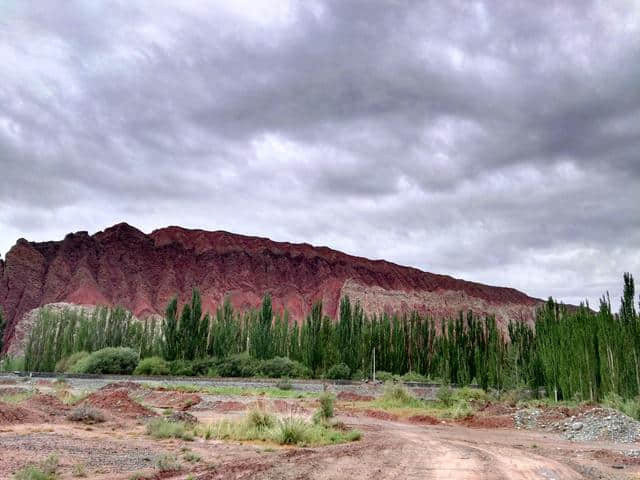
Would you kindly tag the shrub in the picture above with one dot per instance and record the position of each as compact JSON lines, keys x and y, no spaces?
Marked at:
{"x":283,"y":367}
{"x":86,"y":414}
{"x":470,"y":395}
{"x":325,"y":411}
{"x":191,"y":457}
{"x":291,"y":431}
{"x":168,"y":463}
{"x":383,"y":376}
{"x":260,"y":420}
{"x":46,"y":470}
{"x":630,"y":407}
{"x":112,"y":360}
{"x":414,"y":377}
{"x":284,"y":384}
{"x":445,"y":395}
{"x":152,"y":366}
{"x":339,"y":371}
{"x":358,"y":375}
{"x":66,"y":364}
{"x":181,"y":368}
{"x":161,"y":428}
{"x":397,"y":394}
{"x":240,"y":365}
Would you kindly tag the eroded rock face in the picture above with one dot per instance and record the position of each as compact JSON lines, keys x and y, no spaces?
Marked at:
{"x":124,"y":266}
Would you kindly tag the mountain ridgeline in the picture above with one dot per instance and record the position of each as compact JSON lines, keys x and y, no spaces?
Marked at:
{"x":122,"y":266}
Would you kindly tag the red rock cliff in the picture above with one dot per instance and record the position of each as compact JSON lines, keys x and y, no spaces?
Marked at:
{"x":124,"y":266}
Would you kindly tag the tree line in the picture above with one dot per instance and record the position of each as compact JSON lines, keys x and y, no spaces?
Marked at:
{"x":574,"y":352}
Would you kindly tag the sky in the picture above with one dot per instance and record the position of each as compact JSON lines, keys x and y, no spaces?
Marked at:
{"x":493,"y":141}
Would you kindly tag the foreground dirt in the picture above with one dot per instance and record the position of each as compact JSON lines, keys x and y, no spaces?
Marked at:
{"x":391,"y":448}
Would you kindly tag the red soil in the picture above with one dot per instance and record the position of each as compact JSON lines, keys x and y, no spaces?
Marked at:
{"x":281,"y":406}
{"x":119,"y":403}
{"x":13,"y":414}
{"x":47,"y":404}
{"x":175,"y":400}
{"x":230,"y":406}
{"x":354,"y":397}
{"x":481,"y":421}
{"x":425,"y":420}
{"x":380,"y":415}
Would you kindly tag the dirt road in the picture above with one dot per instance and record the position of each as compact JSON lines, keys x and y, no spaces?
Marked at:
{"x":392,"y":450}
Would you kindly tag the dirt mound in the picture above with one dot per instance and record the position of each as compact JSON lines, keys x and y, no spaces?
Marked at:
{"x":487,"y":421}
{"x":48,"y":405}
{"x":175,"y":400}
{"x":121,"y":385}
{"x":119,"y":403}
{"x":8,"y":381}
{"x":425,"y":420}
{"x":380,"y":415}
{"x":354,"y":397}
{"x":14,"y":414}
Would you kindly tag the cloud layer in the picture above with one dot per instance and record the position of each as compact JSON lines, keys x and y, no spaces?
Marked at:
{"x":494,"y":141}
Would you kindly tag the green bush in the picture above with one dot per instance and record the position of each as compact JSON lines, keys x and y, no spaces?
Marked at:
{"x":325,"y":412}
{"x":358,"y":375}
{"x":66,"y":364}
{"x":279,"y":367}
{"x":168,"y":463}
{"x":291,"y":431}
{"x":120,"y":360}
{"x":397,"y":395}
{"x":181,"y":368}
{"x":470,"y":394}
{"x":284,"y":384}
{"x":260,"y":420}
{"x":46,"y":470}
{"x":86,"y":414}
{"x":414,"y":377}
{"x":383,"y":376}
{"x":162,"y":428}
{"x":152,"y":366}
{"x":339,"y":372}
{"x":630,"y":407}
{"x":240,"y":365}
{"x":445,"y":395}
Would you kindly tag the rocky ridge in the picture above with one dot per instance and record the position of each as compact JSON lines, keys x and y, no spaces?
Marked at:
{"x":124,"y":266}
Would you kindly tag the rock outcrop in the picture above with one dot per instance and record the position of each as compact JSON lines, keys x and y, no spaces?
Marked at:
{"x":122,"y":265}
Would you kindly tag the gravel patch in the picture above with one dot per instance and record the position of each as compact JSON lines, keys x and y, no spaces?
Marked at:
{"x":590,"y":425}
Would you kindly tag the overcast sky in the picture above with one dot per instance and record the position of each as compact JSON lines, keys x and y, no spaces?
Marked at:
{"x":493,"y":141}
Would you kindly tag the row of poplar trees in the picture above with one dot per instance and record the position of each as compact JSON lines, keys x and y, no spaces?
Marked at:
{"x":574,"y":352}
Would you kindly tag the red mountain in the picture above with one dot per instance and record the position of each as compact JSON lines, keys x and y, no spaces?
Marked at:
{"x":124,"y":266}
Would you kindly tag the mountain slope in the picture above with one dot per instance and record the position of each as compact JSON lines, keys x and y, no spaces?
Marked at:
{"x":122,"y":265}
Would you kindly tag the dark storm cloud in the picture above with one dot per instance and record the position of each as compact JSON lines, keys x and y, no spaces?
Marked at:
{"x":496,"y":141}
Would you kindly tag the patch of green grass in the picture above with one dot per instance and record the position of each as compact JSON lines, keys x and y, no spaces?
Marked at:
{"x":191,"y":457}
{"x":272,"y":392}
{"x":287,"y":431}
{"x":260,"y":420}
{"x":16,"y":397}
{"x":46,"y":470}
{"x":162,"y":428}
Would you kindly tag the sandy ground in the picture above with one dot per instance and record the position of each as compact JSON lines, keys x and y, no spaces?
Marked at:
{"x":389,"y":449}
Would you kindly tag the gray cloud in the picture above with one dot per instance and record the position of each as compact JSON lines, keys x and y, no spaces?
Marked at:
{"x":495,"y":141}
